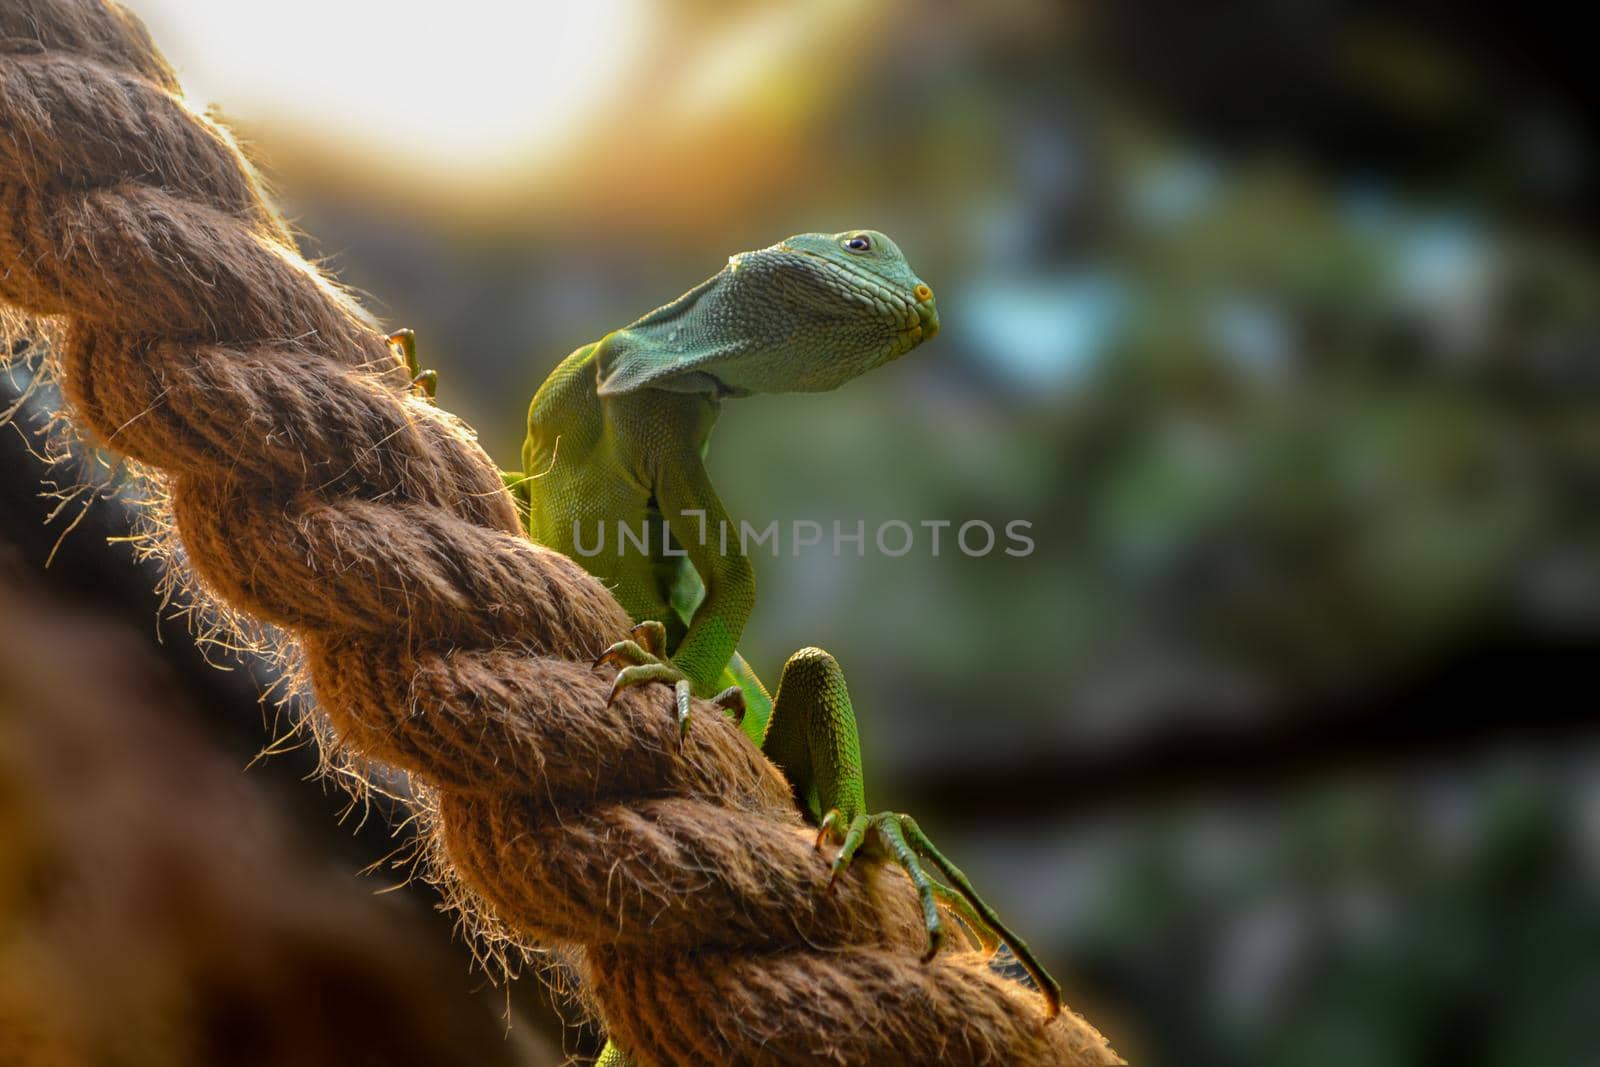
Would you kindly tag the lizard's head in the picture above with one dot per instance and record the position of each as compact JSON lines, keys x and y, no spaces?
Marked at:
{"x":830,"y":307}
{"x":805,"y":315}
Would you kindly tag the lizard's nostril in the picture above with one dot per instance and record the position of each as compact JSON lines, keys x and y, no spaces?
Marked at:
{"x":923,"y":293}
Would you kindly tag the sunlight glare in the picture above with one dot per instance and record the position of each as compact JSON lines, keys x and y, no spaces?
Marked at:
{"x":465,"y":86}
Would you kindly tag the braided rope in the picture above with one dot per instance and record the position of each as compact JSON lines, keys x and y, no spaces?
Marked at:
{"x":312,"y":491}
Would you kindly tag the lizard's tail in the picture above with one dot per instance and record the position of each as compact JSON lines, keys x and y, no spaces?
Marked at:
{"x":311,"y":490}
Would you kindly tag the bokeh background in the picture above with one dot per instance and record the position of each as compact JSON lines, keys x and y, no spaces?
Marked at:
{"x":1280,"y":322}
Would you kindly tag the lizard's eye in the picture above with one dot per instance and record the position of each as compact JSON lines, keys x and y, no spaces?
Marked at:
{"x":859,"y":243}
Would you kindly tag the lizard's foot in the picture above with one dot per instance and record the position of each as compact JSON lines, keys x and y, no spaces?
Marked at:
{"x":642,"y":669}
{"x":899,"y":837}
{"x":423,"y":382}
{"x":642,"y":659}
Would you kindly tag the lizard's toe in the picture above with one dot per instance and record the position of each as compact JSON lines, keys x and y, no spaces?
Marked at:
{"x":625,"y":654}
{"x":731,"y":700}
{"x":652,"y":637}
{"x":681,"y":694}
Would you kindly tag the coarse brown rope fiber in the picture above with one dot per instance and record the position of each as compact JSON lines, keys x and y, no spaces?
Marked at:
{"x":311,"y":490}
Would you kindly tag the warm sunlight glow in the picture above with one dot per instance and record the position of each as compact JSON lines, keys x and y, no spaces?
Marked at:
{"x":464,"y":85}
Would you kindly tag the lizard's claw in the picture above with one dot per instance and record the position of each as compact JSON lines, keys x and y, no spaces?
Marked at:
{"x":625,"y":654}
{"x":902,"y":839}
{"x":829,"y":821}
{"x":731,"y":700}
{"x":652,"y":637}
{"x":424,"y":381}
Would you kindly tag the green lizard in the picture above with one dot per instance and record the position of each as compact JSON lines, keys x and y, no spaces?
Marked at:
{"x":615,"y":462}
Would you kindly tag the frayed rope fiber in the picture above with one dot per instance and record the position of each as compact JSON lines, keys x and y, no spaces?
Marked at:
{"x":311,"y":490}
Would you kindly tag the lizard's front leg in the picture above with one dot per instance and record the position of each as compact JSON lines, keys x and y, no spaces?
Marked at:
{"x":812,"y":737}
{"x":699,"y":523}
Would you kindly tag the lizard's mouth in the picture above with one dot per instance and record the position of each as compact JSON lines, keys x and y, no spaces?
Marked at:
{"x":927,"y":315}
{"x":926,"y":326}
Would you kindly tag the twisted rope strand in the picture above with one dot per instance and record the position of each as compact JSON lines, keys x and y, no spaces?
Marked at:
{"x":311,"y":490}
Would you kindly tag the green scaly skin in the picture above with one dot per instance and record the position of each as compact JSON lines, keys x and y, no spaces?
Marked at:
{"x":618,"y":433}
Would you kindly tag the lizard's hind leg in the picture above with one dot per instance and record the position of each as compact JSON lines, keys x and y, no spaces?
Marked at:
{"x":812,"y":737}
